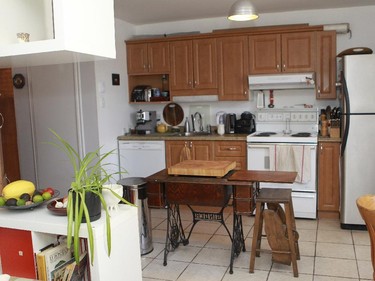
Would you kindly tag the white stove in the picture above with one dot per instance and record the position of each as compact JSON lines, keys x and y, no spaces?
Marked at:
{"x":286,"y":140}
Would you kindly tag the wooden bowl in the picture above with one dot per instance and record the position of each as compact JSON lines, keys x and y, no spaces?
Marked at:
{"x":56,"y":211}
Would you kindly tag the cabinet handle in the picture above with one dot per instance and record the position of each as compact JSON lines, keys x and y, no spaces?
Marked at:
{"x":278,"y":67}
{"x":245,"y":93}
{"x":2,"y":121}
{"x":231,"y":148}
{"x":318,"y":90}
{"x":149,"y":66}
{"x":284,"y":66}
{"x":191,"y":145}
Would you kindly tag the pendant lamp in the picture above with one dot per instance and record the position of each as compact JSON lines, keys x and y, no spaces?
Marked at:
{"x":242,"y":10}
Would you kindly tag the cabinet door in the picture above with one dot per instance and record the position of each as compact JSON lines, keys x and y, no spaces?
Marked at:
{"x":9,"y":128}
{"x":181,"y":77}
{"x":158,"y":57}
{"x":16,"y":251}
{"x":265,"y":54}
{"x":137,"y":60}
{"x":326,"y":65}
{"x":328,"y":179}
{"x":205,"y":64}
{"x":233,"y":67}
{"x":2,"y":172}
{"x":173,"y":151}
{"x":201,"y":150}
{"x":298,"y":52}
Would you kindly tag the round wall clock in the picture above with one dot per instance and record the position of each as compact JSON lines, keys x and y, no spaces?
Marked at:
{"x":18,"y":81}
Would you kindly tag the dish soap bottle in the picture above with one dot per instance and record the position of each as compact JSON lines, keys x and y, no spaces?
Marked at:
{"x":187,"y":125}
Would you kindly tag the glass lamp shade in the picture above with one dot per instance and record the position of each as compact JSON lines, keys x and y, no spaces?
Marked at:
{"x":242,"y":10}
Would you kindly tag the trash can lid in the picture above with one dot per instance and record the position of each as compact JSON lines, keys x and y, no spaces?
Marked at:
{"x":134,"y":181}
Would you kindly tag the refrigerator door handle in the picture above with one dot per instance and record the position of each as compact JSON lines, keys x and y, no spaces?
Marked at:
{"x":346,"y":114}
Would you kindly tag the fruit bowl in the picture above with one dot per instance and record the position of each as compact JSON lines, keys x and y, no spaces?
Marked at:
{"x":31,"y":206}
{"x":56,"y":211}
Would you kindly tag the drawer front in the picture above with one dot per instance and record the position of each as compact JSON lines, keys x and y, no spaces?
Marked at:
{"x":243,"y":192}
{"x":230,"y":148}
{"x":241,"y":163}
{"x":242,"y":206}
{"x":198,"y":194}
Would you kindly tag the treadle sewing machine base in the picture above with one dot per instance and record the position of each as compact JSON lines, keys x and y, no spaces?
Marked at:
{"x":213,"y":192}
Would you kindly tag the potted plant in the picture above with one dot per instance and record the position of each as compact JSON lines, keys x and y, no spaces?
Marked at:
{"x":89,"y":179}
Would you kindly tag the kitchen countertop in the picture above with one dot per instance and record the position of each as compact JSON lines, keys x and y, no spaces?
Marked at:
{"x":210,"y":137}
{"x":176,"y":136}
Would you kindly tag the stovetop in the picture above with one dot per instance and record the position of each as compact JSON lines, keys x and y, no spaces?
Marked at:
{"x":281,"y":137}
{"x":286,"y":125}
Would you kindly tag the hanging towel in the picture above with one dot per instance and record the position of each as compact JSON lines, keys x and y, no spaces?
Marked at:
{"x":185,"y":154}
{"x":293,"y":158}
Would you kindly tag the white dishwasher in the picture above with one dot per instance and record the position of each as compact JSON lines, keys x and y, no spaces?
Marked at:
{"x":141,"y":158}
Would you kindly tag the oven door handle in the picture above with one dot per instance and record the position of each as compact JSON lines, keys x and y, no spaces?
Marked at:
{"x":304,"y":195}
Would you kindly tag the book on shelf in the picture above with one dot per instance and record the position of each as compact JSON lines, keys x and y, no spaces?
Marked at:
{"x":74,"y":271}
{"x":50,"y":259}
{"x":69,"y":270}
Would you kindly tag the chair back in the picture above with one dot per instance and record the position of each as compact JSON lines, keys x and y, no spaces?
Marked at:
{"x":366,"y":207}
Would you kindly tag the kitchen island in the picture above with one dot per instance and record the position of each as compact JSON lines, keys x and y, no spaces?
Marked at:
{"x":193,"y":190}
{"x":42,"y":228}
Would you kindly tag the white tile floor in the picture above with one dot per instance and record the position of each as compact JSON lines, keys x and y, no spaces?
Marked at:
{"x":327,"y":253}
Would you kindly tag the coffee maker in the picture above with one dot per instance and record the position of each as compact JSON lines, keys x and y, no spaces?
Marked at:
{"x":145,"y":122}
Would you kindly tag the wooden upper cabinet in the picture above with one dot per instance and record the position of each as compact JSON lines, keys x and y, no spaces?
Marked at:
{"x":288,"y":52}
{"x":326,"y":65}
{"x":148,"y":58}
{"x":181,"y":77}
{"x":233,"y":67}
{"x":265,"y":53}
{"x":298,"y":52}
{"x":193,"y":66}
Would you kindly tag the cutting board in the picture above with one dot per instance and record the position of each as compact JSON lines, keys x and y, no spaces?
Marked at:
{"x":202,"y":168}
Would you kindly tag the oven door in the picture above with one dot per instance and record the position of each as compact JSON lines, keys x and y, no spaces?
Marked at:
{"x":262,"y":156}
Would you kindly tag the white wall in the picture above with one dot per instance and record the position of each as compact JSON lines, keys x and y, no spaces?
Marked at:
{"x":114,"y":111}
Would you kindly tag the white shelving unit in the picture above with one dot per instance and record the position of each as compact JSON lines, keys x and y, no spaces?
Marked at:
{"x":124,"y":262}
{"x":61,"y":31}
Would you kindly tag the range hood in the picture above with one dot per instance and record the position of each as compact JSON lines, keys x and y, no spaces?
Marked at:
{"x":282,"y":81}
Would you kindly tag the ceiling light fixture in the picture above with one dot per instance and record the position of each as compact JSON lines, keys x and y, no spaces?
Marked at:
{"x":242,"y":10}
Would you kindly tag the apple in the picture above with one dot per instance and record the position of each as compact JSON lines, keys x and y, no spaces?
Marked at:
{"x":50,"y":190}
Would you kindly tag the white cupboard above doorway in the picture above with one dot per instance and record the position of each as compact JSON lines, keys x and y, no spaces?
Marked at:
{"x":60,"y":31}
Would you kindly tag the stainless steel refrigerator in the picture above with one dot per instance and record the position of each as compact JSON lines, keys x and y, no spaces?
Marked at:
{"x":358,"y":136}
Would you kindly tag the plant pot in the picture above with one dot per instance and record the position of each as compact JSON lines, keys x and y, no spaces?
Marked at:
{"x":93,"y":204}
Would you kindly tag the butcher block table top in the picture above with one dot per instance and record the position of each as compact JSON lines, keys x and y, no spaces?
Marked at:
{"x":263,"y":176}
{"x":202,"y":168}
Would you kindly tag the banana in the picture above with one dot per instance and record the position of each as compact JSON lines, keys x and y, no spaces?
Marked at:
{"x":17,"y":188}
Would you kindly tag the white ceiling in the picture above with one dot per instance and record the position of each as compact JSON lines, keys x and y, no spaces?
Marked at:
{"x":140,"y":12}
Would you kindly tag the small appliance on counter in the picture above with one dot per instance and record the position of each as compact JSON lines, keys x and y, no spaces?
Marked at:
{"x":145,"y":122}
{"x":230,"y":123}
{"x":246,"y":124}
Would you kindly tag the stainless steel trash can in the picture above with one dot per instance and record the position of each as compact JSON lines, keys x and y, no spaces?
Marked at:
{"x":135,"y":191}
